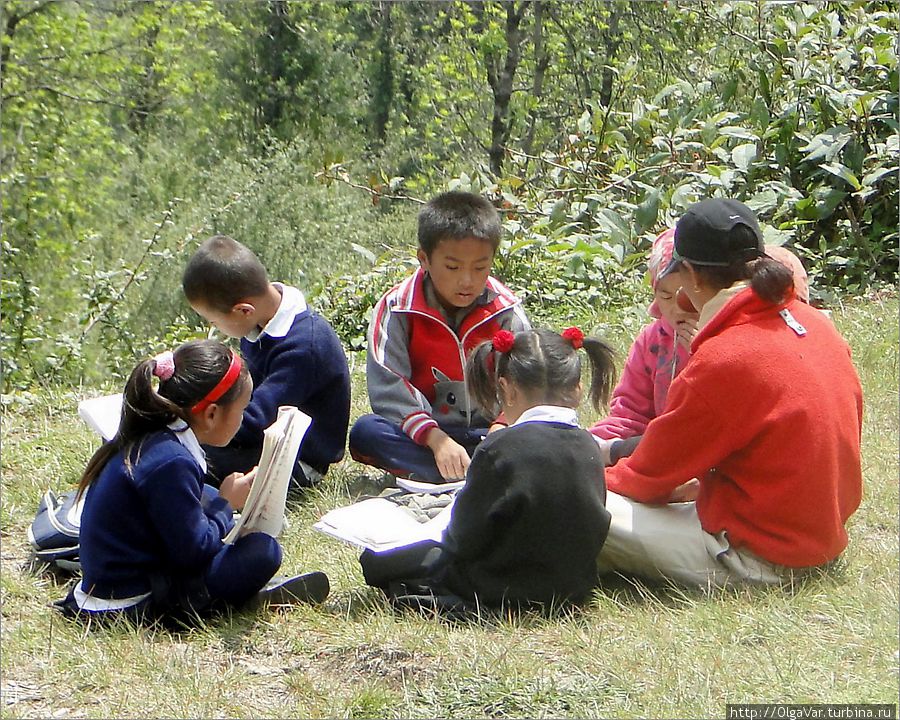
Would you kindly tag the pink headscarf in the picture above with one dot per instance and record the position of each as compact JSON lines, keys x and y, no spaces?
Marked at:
{"x":660,"y":257}
{"x":792,"y":263}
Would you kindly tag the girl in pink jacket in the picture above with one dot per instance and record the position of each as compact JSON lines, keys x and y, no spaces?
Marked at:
{"x":658,"y":354}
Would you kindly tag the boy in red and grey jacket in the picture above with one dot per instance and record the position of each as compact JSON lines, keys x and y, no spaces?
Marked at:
{"x":421,"y":331}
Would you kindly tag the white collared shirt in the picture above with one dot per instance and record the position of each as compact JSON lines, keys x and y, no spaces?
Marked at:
{"x":549,"y":413}
{"x":292,"y":304}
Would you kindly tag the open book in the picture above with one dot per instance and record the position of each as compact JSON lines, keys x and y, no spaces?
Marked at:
{"x":379,"y":524}
{"x":102,"y":414}
{"x":264,"y":509}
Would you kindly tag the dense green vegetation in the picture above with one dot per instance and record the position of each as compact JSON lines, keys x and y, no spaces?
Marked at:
{"x":310,"y":130}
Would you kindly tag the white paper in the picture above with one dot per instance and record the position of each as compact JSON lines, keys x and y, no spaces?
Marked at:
{"x":416,"y":486}
{"x":264,"y":509}
{"x":102,"y":414}
{"x":379,"y":524}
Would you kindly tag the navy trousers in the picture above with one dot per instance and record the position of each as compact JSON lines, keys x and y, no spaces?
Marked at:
{"x":376,"y":441}
{"x":234,"y":576}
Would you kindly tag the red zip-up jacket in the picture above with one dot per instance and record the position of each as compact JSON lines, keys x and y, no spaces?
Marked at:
{"x":769,"y":420}
{"x":415,"y":362}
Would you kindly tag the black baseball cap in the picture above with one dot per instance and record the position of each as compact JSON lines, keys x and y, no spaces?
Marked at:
{"x":705,"y":234}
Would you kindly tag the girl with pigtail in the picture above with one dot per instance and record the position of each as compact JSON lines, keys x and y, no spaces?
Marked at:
{"x":151,"y":531}
{"x":528,"y":524}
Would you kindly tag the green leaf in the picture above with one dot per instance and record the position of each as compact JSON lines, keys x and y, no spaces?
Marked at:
{"x":584,"y":123}
{"x":872,"y":178}
{"x":365,"y":252}
{"x":827,"y":144}
{"x":736,"y":131}
{"x":842,"y":172}
{"x":827,"y":199}
{"x":613,"y":225}
{"x":646,"y":212}
{"x":763,"y":202}
{"x":744,"y":155}
{"x":684,"y":196}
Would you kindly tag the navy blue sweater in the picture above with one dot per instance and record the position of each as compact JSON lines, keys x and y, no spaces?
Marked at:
{"x":306,"y":368}
{"x":154,"y":521}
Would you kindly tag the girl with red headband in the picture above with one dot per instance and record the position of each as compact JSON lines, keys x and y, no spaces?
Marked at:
{"x":151,"y":530}
{"x":526,"y":526}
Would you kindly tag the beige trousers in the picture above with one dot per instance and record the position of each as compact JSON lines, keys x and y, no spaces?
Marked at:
{"x":666,"y":542}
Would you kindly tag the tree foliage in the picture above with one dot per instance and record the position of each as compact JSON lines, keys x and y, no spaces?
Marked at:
{"x":132,"y":129}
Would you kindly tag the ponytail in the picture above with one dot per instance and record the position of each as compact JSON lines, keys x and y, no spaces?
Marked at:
{"x":481,"y":377}
{"x":197,"y":367}
{"x":603,"y":370}
{"x":771,"y":280}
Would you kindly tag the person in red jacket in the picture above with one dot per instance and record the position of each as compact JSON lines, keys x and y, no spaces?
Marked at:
{"x":753,"y":468}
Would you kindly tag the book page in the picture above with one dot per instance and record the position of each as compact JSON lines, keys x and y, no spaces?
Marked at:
{"x":379,"y":524}
{"x":102,"y":414}
{"x":264,"y":509}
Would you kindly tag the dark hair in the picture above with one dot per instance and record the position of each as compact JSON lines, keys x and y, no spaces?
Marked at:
{"x":199,"y":366}
{"x":458,"y":215}
{"x":543,"y":361}
{"x":770,"y":279}
{"x":222,"y":273}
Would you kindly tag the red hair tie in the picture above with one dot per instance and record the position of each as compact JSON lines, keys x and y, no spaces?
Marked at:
{"x":503,"y":341}
{"x":574,"y":336}
{"x":223,"y":386}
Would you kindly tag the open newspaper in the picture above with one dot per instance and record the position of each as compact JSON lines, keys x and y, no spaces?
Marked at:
{"x":264,"y":509}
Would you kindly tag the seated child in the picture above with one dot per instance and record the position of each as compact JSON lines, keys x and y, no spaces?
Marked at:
{"x":659,"y":353}
{"x":526,"y":526}
{"x":294,"y":357}
{"x":420,"y":333}
{"x":151,"y":531}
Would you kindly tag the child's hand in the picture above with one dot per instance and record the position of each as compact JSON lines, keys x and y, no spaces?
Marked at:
{"x":236,"y":487}
{"x":451,"y":458}
{"x":686,"y":493}
{"x":685,"y":331}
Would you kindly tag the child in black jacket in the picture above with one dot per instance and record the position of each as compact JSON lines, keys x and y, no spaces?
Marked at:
{"x":528,"y":525}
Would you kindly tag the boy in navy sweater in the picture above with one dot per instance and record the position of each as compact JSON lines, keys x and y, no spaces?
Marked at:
{"x":294,"y":356}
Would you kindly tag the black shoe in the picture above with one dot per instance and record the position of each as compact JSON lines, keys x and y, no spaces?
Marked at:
{"x":311,"y":587}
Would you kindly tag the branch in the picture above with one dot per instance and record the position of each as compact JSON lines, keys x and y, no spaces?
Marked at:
{"x":761,"y":45}
{"x":583,"y":173}
{"x":60,"y":93}
{"x":101,"y":51}
{"x":345,"y":178}
{"x":10,"y":30}
{"x":157,"y":233}
{"x":16,"y":19}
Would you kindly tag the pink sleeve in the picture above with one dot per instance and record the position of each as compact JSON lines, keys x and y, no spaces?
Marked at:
{"x":632,"y":405}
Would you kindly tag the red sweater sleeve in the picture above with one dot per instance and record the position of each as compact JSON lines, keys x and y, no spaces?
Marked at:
{"x":682,"y":443}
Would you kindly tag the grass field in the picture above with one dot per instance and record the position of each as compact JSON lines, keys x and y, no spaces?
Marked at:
{"x":633,"y":651}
